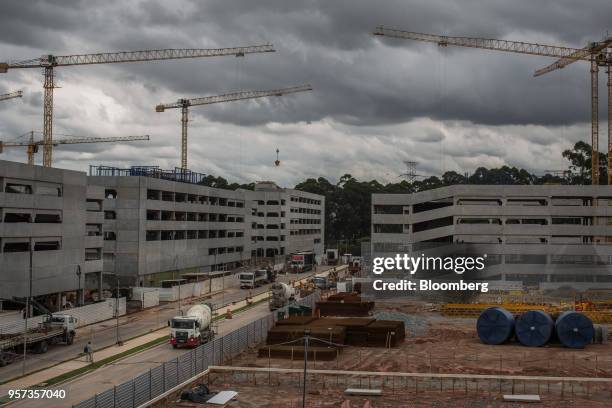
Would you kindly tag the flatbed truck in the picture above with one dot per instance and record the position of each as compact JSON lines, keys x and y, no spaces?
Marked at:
{"x":54,"y":329}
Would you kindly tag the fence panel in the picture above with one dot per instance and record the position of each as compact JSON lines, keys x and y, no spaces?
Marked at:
{"x":185,"y":366}
{"x":90,"y":403}
{"x":106,"y":399}
{"x":124,"y":395}
{"x":142,"y":388}
{"x":171,"y":374}
{"x":157,"y":381}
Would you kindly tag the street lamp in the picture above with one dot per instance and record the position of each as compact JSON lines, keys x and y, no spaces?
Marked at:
{"x":119,"y":342}
{"x":27,"y":307}
{"x":78,"y":274}
{"x":306,"y":337}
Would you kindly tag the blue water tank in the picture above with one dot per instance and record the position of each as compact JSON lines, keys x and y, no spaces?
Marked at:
{"x":534,"y":328}
{"x":495,"y":325}
{"x":574,"y":329}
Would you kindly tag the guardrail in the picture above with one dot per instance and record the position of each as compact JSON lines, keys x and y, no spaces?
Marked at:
{"x":166,"y":377}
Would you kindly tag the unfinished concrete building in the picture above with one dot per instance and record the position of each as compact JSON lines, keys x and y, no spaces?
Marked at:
{"x":158,"y":226}
{"x":162,"y":224}
{"x":50,"y":233}
{"x":283,"y":221}
{"x":549,"y":235}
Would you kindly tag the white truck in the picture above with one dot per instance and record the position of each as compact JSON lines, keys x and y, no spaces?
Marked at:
{"x":55,"y":328}
{"x":192,"y":329}
{"x":251,"y":280}
{"x":281,"y":295}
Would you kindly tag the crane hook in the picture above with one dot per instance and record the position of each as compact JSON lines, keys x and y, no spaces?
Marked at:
{"x":277,"y":162}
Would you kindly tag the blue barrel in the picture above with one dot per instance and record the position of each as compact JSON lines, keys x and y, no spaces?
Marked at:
{"x":534,"y":328}
{"x":495,"y":325}
{"x":574,"y":329}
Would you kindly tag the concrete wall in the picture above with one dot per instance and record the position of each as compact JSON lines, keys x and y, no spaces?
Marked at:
{"x":52,"y":270}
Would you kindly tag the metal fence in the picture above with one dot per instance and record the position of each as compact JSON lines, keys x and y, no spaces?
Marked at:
{"x":158,"y":380}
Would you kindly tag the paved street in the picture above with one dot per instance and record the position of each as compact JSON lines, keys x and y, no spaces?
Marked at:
{"x":104,"y":334}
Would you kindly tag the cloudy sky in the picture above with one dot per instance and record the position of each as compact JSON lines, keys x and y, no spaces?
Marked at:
{"x":376,"y":101}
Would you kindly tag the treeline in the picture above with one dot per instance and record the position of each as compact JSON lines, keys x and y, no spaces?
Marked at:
{"x":348,"y":202}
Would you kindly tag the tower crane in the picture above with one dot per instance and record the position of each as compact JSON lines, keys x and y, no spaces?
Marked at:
{"x":597,"y":55}
{"x":11,"y":95}
{"x":184,"y":105}
{"x":32,"y":145}
{"x":50,"y":62}
{"x":595,"y":52}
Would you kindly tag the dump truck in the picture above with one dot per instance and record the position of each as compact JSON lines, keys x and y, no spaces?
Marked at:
{"x":281,"y":295}
{"x":55,"y":328}
{"x":251,"y":280}
{"x":193,"y":328}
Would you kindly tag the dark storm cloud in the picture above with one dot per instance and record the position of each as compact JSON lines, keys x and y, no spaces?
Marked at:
{"x":365,"y":87}
{"x":358,"y":79}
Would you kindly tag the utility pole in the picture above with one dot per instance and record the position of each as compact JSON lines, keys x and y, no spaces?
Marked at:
{"x":306,"y":336}
{"x":27,"y":310}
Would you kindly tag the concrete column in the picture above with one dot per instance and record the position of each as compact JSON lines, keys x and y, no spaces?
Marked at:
{"x":58,"y":300}
{"x":100,"y":286}
{"x":79,"y":297}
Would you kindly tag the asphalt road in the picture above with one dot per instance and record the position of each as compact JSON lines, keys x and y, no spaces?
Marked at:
{"x":104,"y":334}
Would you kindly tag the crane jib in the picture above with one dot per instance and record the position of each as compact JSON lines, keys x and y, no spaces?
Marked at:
{"x":134,"y":56}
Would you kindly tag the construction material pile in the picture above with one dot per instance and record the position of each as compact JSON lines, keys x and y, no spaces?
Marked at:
{"x":327,"y":336}
{"x":346,"y":304}
{"x":287,"y":333}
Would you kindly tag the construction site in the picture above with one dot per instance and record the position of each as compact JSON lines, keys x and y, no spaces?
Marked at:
{"x":137,"y":285}
{"x":402,"y":352}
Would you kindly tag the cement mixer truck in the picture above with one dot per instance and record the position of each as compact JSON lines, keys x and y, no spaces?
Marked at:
{"x":192,"y":329}
{"x":281,"y":295}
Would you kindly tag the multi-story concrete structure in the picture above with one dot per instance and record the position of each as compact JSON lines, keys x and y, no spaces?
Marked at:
{"x":161,"y":224}
{"x":549,"y":234}
{"x":284,"y":221}
{"x":141,"y":225}
{"x":156,"y":228}
{"x":50,"y":233}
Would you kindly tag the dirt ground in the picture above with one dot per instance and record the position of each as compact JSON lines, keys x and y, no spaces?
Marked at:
{"x":440,"y":345}
{"x":284,"y":397}
{"x":451,"y":345}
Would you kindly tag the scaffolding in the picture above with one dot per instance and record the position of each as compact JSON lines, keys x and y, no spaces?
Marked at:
{"x":178,"y":174}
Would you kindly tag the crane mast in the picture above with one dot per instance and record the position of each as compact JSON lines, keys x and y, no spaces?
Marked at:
{"x":49,"y":62}
{"x":33,"y":145}
{"x":595,"y":53}
{"x":184,"y":105}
